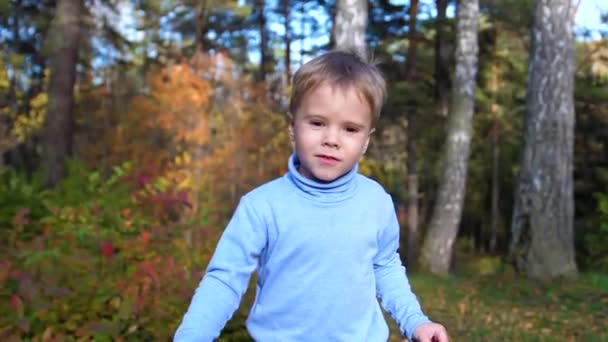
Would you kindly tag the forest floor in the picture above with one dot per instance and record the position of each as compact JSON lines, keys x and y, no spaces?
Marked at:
{"x":509,"y":308}
{"x":499,"y":308}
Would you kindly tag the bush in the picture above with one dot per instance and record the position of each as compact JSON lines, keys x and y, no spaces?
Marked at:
{"x":21,"y":202}
{"x":88,"y":260}
{"x":596,"y":239}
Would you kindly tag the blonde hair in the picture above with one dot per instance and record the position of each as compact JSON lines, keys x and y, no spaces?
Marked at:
{"x":343,"y":69}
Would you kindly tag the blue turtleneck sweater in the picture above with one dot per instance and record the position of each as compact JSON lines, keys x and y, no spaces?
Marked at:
{"x":323,"y":252}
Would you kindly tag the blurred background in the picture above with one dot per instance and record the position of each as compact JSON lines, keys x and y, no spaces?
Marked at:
{"x":129,"y":130}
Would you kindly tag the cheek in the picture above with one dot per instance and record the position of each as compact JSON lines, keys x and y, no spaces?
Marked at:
{"x":304,"y":135}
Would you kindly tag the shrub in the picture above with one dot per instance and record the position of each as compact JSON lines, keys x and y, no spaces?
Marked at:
{"x":89,"y":260}
{"x":596,"y":239}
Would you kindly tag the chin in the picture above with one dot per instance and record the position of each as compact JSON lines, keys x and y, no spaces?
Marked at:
{"x":327,"y":178}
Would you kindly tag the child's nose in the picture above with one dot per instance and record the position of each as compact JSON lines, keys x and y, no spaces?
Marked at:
{"x":331,"y":137}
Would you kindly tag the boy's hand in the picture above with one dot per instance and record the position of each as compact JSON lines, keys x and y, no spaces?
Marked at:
{"x":430,"y":332}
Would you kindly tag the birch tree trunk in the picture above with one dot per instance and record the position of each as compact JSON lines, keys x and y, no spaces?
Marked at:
{"x":542,"y":229}
{"x":59,"y":122}
{"x":442,"y":59}
{"x":437,"y":248}
{"x":350,"y":25}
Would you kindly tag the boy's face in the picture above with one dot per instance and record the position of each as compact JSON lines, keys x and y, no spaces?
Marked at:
{"x":330,"y":130}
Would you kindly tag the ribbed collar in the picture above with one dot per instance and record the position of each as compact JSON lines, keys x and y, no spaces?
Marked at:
{"x":332,"y":192}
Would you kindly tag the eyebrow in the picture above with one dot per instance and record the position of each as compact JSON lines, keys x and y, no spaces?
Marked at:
{"x":313,"y":116}
{"x":355,"y":124}
{"x":321,"y":116}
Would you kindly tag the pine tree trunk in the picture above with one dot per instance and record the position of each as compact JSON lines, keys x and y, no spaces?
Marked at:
{"x":412,"y":173}
{"x":201,"y":25}
{"x":350,"y":25}
{"x":264,"y":59}
{"x":287,"y":39}
{"x":437,"y":248}
{"x":332,"y":37}
{"x":495,"y":212}
{"x":495,"y":189}
{"x":542,"y":228}
{"x":302,"y":29}
{"x":59,"y":123}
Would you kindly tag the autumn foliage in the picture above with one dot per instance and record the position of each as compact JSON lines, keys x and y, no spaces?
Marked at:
{"x":116,"y":250}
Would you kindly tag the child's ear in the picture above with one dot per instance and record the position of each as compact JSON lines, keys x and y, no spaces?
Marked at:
{"x":292,"y":136}
{"x":367,"y":141}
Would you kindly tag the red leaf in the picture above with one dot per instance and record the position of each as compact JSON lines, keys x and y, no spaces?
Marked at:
{"x":14,"y":274}
{"x":107,"y":250}
{"x":15,"y":302}
{"x":149,"y":270}
{"x":145,"y":237}
{"x":126,"y":212}
{"x":21,"y":217}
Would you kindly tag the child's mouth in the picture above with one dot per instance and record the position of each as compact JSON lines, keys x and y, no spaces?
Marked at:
{"x":328,"y":159}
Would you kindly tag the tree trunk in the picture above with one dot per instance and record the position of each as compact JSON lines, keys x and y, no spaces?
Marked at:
{"x":412,"y":173}
{"x":350,"y":25}
{"x":542,"y":229}
{"x":495,"y":212}
{"x":9,"y":144}
{"x":263,"y":41}
{"x":201,"y":25}
{"x":59,"y":123}
{"x":442,"y":60}
{"x":287,"y":39}
{"x":332,"y":32}
{"x":437,"y":248}
{"x":302,"y":30}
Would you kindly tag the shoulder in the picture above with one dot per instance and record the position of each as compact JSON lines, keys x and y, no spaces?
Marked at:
{"x":370,"y":187}
{"x":257,"y":202}
{"x":265,"y":193}
{"x":374,"y":195}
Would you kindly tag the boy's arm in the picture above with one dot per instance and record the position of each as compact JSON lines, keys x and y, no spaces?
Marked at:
{"x":219,"y":293}
{"x":392,"y":285}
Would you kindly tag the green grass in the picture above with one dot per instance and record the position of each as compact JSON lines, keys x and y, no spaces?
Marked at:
{"x":508,"y":308}
{"x":500,"y":308}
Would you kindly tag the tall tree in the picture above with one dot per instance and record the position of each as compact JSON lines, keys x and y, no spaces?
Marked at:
{"x":287,"y":37}
{"x":350,"y":25}
{"x":437,"y":248}
{"x":59,"y":122}
{"x":442,"y":59}
{"x":23,"y":26}
{"x":412,"y":173}
{"x":201,"y":24}
{"x":542,"y":227}
{"x":264,"y":54}
{"x":495,"y":134}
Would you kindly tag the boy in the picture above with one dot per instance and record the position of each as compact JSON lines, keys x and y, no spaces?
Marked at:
{"x":322,"y":238}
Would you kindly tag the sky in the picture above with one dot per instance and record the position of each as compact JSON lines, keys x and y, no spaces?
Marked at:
{"x":587,"y":18}
{"x":588,"y":15}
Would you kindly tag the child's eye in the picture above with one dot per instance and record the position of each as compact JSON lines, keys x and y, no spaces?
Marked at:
{"x":352,"y":129}
{"x":316,"y":123}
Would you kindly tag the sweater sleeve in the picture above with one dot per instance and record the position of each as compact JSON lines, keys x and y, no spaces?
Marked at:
{"x":219,"y":293}
{"x":392,"y":285}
